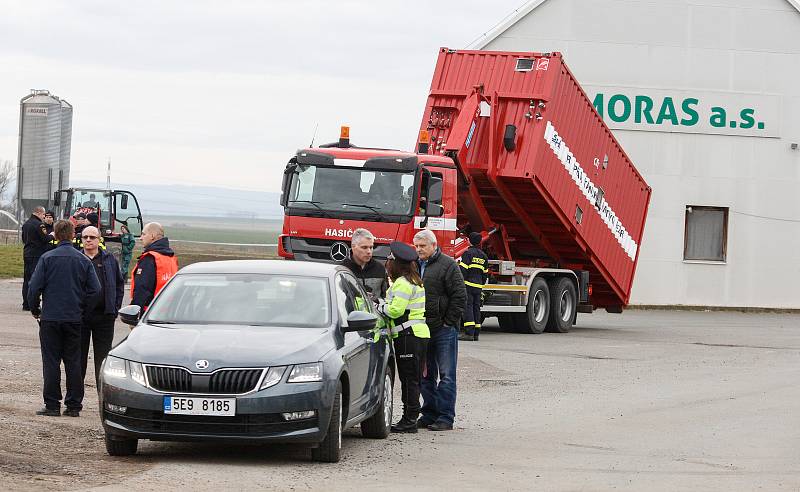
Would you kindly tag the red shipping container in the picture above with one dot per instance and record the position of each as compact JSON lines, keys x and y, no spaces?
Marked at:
{"x":559,"y":185}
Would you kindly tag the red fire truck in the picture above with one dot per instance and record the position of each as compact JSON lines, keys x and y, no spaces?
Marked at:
{"x":511,"y":147}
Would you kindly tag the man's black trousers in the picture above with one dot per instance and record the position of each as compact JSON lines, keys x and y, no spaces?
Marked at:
{"x":28,"y":265}
{"x":100,"y":328}
{"x":472,"y":312}
{"x":409,"y":353}
{"x":61,"y":341}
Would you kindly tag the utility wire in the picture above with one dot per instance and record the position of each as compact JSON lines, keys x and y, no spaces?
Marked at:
{"x":766,"y":218}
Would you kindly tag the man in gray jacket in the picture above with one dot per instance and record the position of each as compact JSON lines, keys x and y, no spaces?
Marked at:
{"x":445,"y":297}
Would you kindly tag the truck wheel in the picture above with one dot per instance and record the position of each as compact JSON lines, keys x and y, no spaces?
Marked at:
{"x":120,"y":447}
{"x":538,"y":310}
{"x":563,"y":305}
{"x":330,"y":449}
{"x":379,"y":425}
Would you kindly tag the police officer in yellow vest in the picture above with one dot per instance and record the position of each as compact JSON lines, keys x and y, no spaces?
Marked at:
{"x":405,"y":311}
{"x":475,"y":270}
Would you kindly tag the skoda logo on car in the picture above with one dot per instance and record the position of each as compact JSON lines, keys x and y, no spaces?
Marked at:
{"x":201,"y":364}
{"x":339,"y":251}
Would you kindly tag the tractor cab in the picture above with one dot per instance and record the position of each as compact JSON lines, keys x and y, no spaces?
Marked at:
{"x":114,"y":208}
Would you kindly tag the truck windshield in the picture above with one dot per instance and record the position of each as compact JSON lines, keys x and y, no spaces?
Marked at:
{"x":340,"y":189}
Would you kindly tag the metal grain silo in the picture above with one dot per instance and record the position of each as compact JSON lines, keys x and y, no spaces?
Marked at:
{"x":40,"y":148}
{"x":66,"y":145}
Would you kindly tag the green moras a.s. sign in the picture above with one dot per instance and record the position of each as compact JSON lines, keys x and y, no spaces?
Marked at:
{"x":713,"y":112}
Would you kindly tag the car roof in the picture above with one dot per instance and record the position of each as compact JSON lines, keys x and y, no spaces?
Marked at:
{"x":274,"y":267}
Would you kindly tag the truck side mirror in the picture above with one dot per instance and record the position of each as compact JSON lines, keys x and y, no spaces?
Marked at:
{"x":291,"y":168}
{"x":124,"y":201}
{"x":56,"y":199}
{"x":434,"y":209}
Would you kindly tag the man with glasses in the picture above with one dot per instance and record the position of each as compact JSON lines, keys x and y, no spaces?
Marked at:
{"x":62,"y":282}
{"x":102,"y":308}
{"x":155,"y":267}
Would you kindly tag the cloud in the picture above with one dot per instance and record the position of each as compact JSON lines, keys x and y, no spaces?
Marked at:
{"x":227,"y":91}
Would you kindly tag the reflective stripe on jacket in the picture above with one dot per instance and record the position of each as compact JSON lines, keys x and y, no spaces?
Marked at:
{"x":474,"y":267}
{"x":405,"y":306}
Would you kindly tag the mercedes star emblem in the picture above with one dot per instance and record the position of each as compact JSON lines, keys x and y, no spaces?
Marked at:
{"x":201,"y":364}
{"x":339,"y":251}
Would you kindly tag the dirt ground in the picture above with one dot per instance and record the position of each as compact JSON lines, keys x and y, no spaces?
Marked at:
{"x":646,"y":400}
{"x":46,"y":452}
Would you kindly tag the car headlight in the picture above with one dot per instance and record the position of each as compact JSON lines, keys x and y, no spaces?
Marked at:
{"x":137,"y":372}
{"x":306,"y":373}
{"x":114,"y":367}
{"x":273,"y":377}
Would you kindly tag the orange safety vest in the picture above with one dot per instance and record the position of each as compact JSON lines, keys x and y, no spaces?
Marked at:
{"x":166,"y":267}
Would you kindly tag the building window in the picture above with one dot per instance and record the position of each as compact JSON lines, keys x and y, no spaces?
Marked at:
{"x":706,"y":234}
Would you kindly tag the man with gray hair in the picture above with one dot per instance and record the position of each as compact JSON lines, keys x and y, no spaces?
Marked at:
{"x":370,"y":272}
{"x":445,"y":297}
{"x":156,"y":266}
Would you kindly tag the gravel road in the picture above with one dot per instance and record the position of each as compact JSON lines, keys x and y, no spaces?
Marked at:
{"x":646,"y":400}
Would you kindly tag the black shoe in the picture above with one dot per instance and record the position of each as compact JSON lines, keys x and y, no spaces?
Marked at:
{"x":466,"y":338}
{"x":423,"y":424}
{"x":440,"y":426}
{"x":49,"y":412}
{"x":26,"y":308}
{"x":405,"y":426}
{"x":71,"y":412}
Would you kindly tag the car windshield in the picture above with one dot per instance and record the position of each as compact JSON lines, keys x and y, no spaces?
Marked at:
{"x":339,"y":189}
{"x":243,"y":299}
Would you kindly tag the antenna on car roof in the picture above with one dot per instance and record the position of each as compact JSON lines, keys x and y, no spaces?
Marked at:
{"x":314,"y":135}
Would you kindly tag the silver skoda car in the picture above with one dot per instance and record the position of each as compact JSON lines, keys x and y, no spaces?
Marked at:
{"x":271,"y":351}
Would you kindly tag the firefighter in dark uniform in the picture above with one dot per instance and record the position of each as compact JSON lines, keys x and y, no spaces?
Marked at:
{"x":49,"y":217}
{"x":404,"y":310}
{"x":36,"y":243}
{"x":475,"y":270}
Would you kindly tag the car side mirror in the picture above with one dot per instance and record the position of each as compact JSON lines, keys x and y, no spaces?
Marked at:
{"x":360,"y":321}
{"x":130,"y":314}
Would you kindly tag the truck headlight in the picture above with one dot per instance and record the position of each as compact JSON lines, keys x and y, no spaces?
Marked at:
{"x":273,"y":377}
{"x":114,"y":367}
{"x":306,"y":373}
{"x":137,"y":372}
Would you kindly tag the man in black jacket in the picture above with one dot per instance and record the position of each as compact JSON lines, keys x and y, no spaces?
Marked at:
{"x":157,"y":264}
{"x":444,"y":304}
{"x":98,"y":318}
{"x":36,"y":243}
{"x":370,"y":272}
{"x":65,"y":279}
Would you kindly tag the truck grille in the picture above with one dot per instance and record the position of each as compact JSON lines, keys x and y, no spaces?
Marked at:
{"x":225,"y":381}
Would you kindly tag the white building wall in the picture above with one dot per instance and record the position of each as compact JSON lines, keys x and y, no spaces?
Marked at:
{"x":744,"y":53}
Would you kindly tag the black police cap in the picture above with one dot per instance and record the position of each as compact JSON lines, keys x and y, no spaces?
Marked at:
{"x":475,"y":238}
{"x":92,"y":217}
{"x":403,"y":251}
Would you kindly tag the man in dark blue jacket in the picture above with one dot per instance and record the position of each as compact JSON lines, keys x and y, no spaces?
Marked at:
{"x":63,"y":280}
{"x":101,"y":310}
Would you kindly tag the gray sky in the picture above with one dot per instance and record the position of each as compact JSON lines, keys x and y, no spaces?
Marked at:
{"x":223,"y":93}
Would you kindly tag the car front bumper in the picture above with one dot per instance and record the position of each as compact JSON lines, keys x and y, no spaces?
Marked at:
{"x":258,"y":415}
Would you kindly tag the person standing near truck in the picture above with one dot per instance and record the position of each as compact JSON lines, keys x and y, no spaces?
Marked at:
{"x":63,"y":281}
{"x":444,"y":305}
{"x":156,"y":265}
{"x":128,"y":243}
{"x":36,"y":243}
{"x":98,"y":318}
{"x":474,"y":268}
{"x":370,"y":272}
{"x":405,"y":308}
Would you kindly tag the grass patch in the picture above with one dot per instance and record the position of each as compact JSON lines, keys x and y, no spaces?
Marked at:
{"x":11,"y":261}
